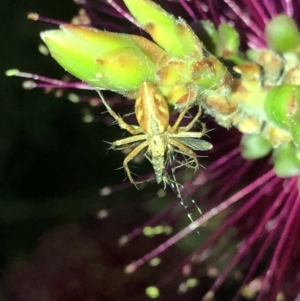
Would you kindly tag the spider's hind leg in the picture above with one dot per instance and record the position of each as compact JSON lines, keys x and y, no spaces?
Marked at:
{"x":186,"y":151}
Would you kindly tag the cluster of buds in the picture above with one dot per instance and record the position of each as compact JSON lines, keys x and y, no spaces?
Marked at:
{"x":178,"y":65}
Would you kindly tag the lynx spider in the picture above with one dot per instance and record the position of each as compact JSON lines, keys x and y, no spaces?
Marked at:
{"x":155,"y":132}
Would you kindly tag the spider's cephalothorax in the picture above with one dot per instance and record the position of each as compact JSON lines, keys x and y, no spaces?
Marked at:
{"x":155,"y":133}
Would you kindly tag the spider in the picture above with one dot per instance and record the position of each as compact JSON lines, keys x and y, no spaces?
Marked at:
{"x":155,"y":133}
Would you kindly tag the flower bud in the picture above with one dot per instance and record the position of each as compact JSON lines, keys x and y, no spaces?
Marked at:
{"x":228,"y":41}
{"x":209,"y":35}
{"x":280,"y":103}
{"x":295,"y":127}
{"x":173,"y":35}
{"x":209,"y":72}
{"x":255,"y":147}
{"x":282,"y":34}
{"x":103,"y":59}
{"x":286,"y":160}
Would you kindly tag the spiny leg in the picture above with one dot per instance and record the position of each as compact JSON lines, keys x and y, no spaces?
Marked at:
{"x":119,"y":143}
{"x":177,"y":122}
{"x":185,"y":151}
{"x":127,"y":159}
{"x":184,"y":134}
{"x":175,"y":126}
{"x":193,"y":121}
{"x":189,"y":163}
{"x":123,"y":125}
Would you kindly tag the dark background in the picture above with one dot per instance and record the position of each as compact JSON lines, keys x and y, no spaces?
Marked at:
{"x":46,"y":153}
{"x":52,"y":165}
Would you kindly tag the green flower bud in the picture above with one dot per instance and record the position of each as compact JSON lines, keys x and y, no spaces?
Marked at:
{"x":295,"y":127}
{"x":228,"y":41}
{"x":255,"y":147}
{"x":209,"y":72}
{"x":228,"y":44}
{"x":252,"y":54}
{"x":173,"y":35}
{"x":286,"y":160}
{"x":282,"y":34}
{"x":103,"y":59}
{"x":281,"y":103}
{"x":210,"y":38}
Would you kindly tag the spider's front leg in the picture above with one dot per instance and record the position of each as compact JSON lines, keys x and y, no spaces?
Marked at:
{"x":127,"y":142}
{"x":192,"y":122}
{"x":186,"y":128}
{"x":133,"y":130}
{"x":183,"y":133}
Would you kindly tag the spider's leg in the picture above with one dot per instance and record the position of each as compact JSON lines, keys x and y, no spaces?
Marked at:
{"x":175,"y":126}
{"x":129,"y":157}
{"x":192,"y":122}
{"x":121,"y":144}
{"x":181,"y":148}
{"x":123,"y":125}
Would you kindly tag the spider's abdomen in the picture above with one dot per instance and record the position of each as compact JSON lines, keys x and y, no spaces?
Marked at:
{"x":159,"y":167}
